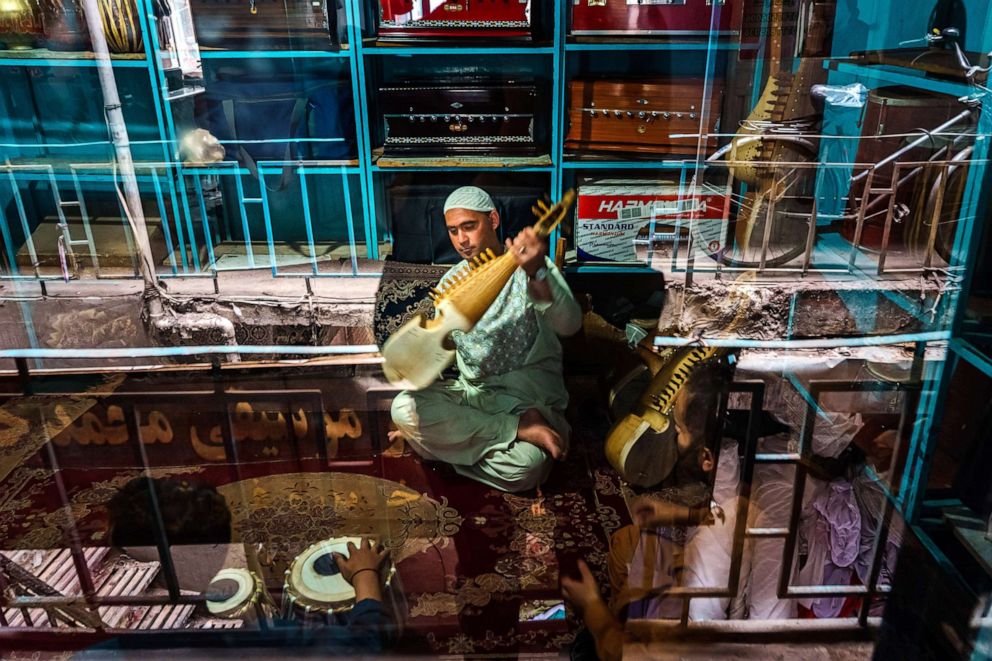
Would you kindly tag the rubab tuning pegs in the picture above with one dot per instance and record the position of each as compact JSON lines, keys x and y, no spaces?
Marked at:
{"x":541,"y":207}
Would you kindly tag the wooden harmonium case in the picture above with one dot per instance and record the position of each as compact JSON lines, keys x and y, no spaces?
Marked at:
{"x":651,"y":17}
{"x":641,"y":116}
{"x":459,"y":118}
{"x":266,"y":24}
{"x":401,"y":20}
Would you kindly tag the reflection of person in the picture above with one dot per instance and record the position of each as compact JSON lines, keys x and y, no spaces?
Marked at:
{"x":195,"y":519}
{"x":690,"y":542}
{"x":772,"y":496}
{"x":191,"y":513}
{"x":583,"y":595}
{"x":502,"y":421}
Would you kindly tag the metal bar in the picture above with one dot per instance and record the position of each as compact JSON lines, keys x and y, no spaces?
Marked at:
{"x":363,"y":125}
{"x":777,"y":458}
{"x":798,"y":490}
{"x":249,"y":249}
{"x":767,"y":532}
{"x":810,"y":237}
{"x":975,"y":358}
{"x":156,"y":78}
{"x":757,"y":397}
{"x":878,"y":555}
{"x":156,"y":352}
{"x":208,"y":238}
{"x":59,"y":209}
{"x":860,"y":223}
{"x":935,"y":218}
{"x":31,"y":601}
{"x":887,"y":227}
{"x":161,"y":537}
{"x":926,"y":137}
{"x":557,"y":115}
{"x":8,"y":240}
{"x":227,"y":427}
{"x":274,"y":54}
{"x":457,"y":50}
{"x":70,"y":530}
{"x":826,"y":590}
{"x":165,"y":224}
{"x":346,"y":192}
{"x":914,"y":478}
{"x":826,"y":343}
{"x":188,"y":214}
{"x":677,"y":238}
{"x":766,"y":236}
{"x":267,"y":217}
{"x":308,"y":222}
{"x":171,"y":179}
{"x":28,"y":240}
{"x":126,"y":226}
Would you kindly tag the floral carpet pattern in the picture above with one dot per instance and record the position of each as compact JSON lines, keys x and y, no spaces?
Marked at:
{"x":470,"y":559}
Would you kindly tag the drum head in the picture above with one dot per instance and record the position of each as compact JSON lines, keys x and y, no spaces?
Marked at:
{"x":230,"y":592}
{"x":315,"y":581}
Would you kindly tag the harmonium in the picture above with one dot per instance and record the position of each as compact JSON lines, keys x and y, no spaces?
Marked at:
{"x":661,"y":116}
{"x":401,"y":20}
{"x":266,"y":24}
{"x":653,"y":17}
{"x":459,"y":118}
{"x":613,"y":218}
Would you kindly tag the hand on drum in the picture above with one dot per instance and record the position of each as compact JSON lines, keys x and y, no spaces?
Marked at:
{"x":362,"y":568}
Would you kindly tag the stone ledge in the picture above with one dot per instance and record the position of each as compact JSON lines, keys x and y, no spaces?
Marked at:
{"x":806,"y":309}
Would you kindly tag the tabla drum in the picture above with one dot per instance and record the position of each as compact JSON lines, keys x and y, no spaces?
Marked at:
{"x":894,"y":117}
{"x":314,"y":588}
{"x":233,"y":594}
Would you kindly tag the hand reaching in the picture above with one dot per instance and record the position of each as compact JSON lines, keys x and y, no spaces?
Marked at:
{"x":583,"y":592}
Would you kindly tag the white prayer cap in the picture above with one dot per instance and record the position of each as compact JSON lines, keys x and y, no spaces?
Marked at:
{"x":472,"y":198}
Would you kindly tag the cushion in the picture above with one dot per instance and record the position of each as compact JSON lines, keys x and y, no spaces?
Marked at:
{"x":404,"y":291}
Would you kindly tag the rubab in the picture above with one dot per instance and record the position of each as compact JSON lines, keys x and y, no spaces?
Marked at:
{"x":416,"y":354}
{"x":642,"y":444}
{"x":775,"y":129}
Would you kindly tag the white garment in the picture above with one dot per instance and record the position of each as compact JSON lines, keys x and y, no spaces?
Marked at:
{"x":772,"y":492}
{"x":709,"y":549}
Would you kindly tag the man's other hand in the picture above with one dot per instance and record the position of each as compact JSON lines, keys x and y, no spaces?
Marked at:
{"x":583,"y":592}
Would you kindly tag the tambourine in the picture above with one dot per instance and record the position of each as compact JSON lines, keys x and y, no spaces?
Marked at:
{"x":314,"y":584}
{"x":234,"y":593}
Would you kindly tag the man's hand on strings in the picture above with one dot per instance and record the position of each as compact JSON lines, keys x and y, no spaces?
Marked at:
{"x":528,"y":250}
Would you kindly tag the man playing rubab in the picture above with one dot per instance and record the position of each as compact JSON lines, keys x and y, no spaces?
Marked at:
{"x":502,"y":421}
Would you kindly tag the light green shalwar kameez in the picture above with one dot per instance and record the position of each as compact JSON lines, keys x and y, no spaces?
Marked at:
{"x":508,"y":363}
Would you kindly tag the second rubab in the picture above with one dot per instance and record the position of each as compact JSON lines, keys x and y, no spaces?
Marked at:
{"x":416,"y":354}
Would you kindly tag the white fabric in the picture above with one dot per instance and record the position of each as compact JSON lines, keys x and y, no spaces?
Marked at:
{"x":709,"y":549}
{"x":472,"y":198}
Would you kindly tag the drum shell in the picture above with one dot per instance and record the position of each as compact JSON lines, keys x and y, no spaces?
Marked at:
{"x":891,"y":112}
{"x":642,"y":447}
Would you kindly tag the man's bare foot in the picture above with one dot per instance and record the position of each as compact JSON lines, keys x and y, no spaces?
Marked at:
{"x":533,"y":428}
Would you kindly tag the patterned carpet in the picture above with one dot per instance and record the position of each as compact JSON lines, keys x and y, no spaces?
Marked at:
{"x":470,"y":559}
